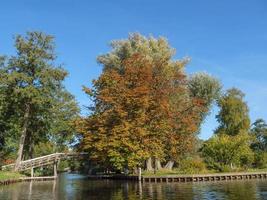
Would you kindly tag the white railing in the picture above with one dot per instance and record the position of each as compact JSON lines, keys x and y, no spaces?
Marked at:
{"x":42,"y":161}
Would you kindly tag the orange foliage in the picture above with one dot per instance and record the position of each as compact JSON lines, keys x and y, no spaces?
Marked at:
{"x":141,"y":111}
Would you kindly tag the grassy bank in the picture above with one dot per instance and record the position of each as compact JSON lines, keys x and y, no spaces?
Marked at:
{"x":9,"y":175}
{"x":171,"y":172}
{"x":179,"y":172}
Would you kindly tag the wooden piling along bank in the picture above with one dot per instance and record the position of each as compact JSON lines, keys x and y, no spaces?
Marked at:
{"x":23,"y":179}
{"x":187,"y":178}
{"x":205,"y":177}
{"x":158,"y":179}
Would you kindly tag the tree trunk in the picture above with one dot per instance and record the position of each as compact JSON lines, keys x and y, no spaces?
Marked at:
{"x":135,"y":170}
{"x":231,"y":165}
{"x":149,"y":164}
{"x":158,"y":164}
{"x":22,"y":137}
{"x":169,"y":165}
{"x":30,"y":147}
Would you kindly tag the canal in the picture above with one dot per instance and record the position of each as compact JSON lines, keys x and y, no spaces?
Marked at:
{"x":77,"y":187}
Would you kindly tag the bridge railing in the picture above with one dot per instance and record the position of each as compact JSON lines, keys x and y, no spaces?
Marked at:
{"x":42,"y":161}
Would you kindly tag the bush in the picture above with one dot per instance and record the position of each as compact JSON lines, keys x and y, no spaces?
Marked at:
{"x":260,"y":160}
{"x":222,"y":151}
{"x":63,"y":165}
{"x":192,"y":165}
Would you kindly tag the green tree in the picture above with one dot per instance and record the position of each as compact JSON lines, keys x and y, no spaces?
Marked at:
{"x":7,"y":117}
{"x":231,"y":144}
{"x":206,"y":88}
{"x":223,"y":151}
{"x":31,"y":83}
{"x":233,"y":116}
{"x":259,"y":130}
{"x":2,"y":127}
{"x":259,"y":144}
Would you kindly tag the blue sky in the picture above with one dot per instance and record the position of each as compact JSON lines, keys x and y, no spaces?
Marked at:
{"x":227,"y":39}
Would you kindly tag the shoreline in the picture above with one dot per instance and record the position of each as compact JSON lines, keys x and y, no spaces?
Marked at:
{"x":25,"y":179}
{"x":156,"y":178}
{"x":186,"y":177}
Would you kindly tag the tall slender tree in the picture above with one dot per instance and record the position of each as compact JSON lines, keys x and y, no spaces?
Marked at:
{"x":231,"y":145}
{"x":233,"y":116}
{"x":32,"y":85}
{"x":259,"y":130}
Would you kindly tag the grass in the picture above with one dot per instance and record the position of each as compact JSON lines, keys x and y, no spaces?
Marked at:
{"x":172,"y":172}
{"x":4,"y":175}
{"x":256,"y":170}
{"x":179,"y":172}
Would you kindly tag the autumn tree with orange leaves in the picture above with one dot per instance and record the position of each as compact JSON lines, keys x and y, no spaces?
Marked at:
{"x":144,"y":107}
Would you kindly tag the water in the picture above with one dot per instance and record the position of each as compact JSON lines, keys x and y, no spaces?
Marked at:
{"x":77,"y":187}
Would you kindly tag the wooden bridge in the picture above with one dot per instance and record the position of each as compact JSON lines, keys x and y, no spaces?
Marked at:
{"x":51,"y":159}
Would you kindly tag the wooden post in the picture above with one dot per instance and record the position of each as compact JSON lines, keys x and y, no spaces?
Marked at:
{"x":32,"y":172}
{"x":140,"y":189}
{"x":55,"y":169}
{"x":139,"y":174}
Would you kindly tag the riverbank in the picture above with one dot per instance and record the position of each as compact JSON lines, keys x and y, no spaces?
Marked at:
{"x":77,"y":187}
{"x":206,"y":177}
{"x":164,"y":172}
{"x":10,"y":177}
{"x":4,"y":175}
{"x":187,"y":177}
{"x":7,"y":178}
{"x":25,"y":179}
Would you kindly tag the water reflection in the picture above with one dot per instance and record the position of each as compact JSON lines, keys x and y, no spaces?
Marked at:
{"x":75,"y":187}
{"x":28,"y":190}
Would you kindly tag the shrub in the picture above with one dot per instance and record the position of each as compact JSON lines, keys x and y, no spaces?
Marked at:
{"x":260,"y":160}
{"x":192,"y":165}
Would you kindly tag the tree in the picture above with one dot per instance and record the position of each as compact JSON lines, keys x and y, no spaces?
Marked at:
{"x":7,"y":118}
{"x":223,"y":151}
{"x":231,"y":144}
{"x":32,"y":85}
{"x":205,"y":87}
{"x":233,"y":116}
{"x":120,"y":129}
{"x":2,"y":126}
{"x":259,"y":144}
{"x":203,"y":91}
{"x":142,"y":107}
{"x":259,"y":130}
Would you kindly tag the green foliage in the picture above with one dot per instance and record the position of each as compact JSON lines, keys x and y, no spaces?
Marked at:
{"x":192,"y":165}
{"x":9,"y":175}
{"x":63,"y":165}
{"x":260,"y":160}
{"x":259,"y":131}
{"x":155,"y":50}
{"x":230,"y":148}
{"x":205,"y":87}
{"x":259,"y":143}
{"x":44,"y":148}
{"x":223,"y":151}
{"x":30,"y":82}
{"x":233,"y":117}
